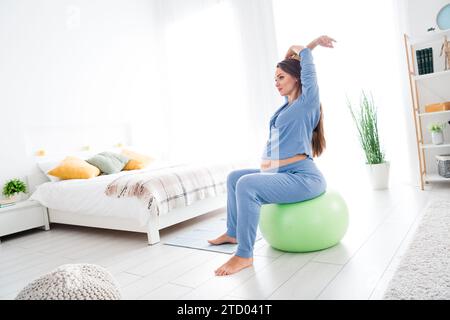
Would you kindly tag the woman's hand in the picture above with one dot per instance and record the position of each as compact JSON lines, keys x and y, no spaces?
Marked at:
{"x":294,"y":51}
{"x":323,"y":41}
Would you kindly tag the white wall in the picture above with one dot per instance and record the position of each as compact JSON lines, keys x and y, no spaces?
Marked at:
{"x":369,"y":54}
{"x":65,"y":62}
{"x":366,"y":57}
{"x":162,"y":67}
{"x":421,"y":15}
{"x":82,"y":62}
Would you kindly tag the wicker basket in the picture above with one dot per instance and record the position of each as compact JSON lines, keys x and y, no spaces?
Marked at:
{"x":443,"y":162}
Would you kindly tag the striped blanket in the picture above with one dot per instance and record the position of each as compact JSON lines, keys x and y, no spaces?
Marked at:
{"x":173,"y":187}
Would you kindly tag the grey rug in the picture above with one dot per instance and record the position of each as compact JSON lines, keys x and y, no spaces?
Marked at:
{"x":424,"y":271}
{"x":197,"y":238}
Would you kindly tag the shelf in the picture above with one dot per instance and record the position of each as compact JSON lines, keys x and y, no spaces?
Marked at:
{"x":431,"y":37}
{"x":432,"y":146}
{"x":439,"y":78}
{"x":433,"y":113}
{"x":434,"y":177}
{"x":432,"y":75}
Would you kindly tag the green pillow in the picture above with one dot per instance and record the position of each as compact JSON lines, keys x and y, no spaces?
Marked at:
{"x":108,"y":162}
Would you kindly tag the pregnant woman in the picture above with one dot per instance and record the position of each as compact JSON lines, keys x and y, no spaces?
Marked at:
{"x":288,"y":173}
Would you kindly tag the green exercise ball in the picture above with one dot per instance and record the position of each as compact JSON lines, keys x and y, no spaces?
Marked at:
{"x":309,"y":225}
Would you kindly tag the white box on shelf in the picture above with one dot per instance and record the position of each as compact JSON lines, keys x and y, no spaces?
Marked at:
{"x":23,"y":215}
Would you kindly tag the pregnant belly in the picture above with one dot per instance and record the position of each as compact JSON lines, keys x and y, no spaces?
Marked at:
{"x":270,"y":164}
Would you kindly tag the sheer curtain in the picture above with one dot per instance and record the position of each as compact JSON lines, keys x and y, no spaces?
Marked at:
{"x":367,"y":56}
{"x":216,"y":60}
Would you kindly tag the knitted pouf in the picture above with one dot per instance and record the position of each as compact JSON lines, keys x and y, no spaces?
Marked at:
{"x":73,"y":282}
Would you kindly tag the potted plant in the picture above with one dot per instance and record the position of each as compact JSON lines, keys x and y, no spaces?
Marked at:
{"x":367,"y":125}
{"x":13,"y":187}
{"x":437,"y":135}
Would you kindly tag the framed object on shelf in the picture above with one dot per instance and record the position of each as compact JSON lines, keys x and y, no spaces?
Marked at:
{"x":443,"y":17}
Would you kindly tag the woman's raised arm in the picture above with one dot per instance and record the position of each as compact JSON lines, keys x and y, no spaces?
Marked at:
{"x":323,"y":41}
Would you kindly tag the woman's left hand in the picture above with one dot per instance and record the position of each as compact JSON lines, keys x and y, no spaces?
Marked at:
{"x":323,"y":41}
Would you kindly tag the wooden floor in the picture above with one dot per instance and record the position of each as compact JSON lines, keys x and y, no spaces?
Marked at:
{"x":381,"y":225}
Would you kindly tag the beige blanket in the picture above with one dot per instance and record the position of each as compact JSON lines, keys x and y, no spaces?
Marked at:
{"x":173,"y":187}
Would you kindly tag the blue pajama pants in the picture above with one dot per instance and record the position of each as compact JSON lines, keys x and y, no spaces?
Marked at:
{"x":248,"y":189}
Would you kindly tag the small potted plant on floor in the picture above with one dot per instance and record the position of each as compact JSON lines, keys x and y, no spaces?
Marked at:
{"x":367,"y":124}
{"x":13,"y":188}
{"x":437,"y":135}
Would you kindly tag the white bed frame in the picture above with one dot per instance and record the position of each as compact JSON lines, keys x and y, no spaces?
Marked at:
{"x":154,"y":225}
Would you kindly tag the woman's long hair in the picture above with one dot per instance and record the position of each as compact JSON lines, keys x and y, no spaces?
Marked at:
{"x":292,"y":67}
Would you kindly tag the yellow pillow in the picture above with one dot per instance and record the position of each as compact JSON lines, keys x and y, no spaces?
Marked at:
{"x":74,"y":168}
{"x":137,"y":161}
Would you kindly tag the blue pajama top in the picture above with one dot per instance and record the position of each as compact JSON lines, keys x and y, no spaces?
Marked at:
{"x":291,"y":127}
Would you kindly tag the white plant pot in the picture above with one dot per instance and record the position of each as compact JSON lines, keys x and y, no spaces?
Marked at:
{"x":16,"y":197}
{"x":12,"y":197}
{"x":437,"y":137}
{"x":378,"y":175}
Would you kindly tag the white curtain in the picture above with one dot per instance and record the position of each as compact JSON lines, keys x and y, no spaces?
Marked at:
{"x":368,"y":56}
{"x":216,"y":62}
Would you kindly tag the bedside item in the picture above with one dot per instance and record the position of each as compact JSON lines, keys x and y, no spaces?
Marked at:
{"x":436,"y":107}
{"x":7,"y":202}
{"x":21,"y":216}
{"x":13,"y":188}
{"x":443,"y":162}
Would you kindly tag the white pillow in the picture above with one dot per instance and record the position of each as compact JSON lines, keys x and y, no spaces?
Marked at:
{"x":48,"y":165}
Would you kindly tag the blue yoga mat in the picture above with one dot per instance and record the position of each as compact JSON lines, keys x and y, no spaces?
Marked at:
{"x":197,"y":238}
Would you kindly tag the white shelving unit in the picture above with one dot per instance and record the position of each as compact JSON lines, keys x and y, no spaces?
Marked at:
{"x":434,"y":146}
{"x":433,"y":177}
{"x":431,"y":75}
{"x":433,"y":113}
{"x":427,"y":89}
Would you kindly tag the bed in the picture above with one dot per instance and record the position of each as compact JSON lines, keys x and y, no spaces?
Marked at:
{"x":83,"y":202}
{"x":86,"y":202}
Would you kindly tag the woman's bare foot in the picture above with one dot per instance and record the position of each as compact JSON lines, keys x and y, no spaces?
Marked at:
{"x":234,"y":265}
{"x":223,"y":239}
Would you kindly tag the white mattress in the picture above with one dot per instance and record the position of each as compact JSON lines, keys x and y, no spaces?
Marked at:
{"x":87,"y":196}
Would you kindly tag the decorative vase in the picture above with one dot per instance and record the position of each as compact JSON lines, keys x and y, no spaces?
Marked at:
{"x":378,"y":175}
{"x":13,"y":197}
{"x":437,"y":137}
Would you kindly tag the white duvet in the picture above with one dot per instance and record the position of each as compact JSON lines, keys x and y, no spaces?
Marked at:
{"x":87,"y":196}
